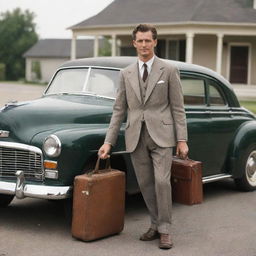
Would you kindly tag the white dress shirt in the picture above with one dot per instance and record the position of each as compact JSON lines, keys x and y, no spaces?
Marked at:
{"x":149,"y":66}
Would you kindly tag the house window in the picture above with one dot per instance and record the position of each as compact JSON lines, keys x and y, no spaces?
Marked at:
{"x":176,"y":50}
{"x":171,"y":49}
{"x":128,"y":51}
{"x":167,"y":49}
{"x":161,"y":48}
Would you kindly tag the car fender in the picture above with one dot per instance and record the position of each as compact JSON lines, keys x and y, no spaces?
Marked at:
{"x":78,"y":145}
{"x":244,"y":137}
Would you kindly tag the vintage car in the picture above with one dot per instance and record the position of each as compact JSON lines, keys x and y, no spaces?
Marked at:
{"x":45,"y":143}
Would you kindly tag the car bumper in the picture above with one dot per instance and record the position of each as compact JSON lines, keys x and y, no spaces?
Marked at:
{"x":21,"y":190}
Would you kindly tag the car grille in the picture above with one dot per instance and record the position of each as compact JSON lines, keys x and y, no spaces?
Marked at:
{"x":13,"y":158}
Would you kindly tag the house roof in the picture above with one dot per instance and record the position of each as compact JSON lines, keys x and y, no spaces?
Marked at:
{"x":60,"y":48}
{"x":172,"y":11}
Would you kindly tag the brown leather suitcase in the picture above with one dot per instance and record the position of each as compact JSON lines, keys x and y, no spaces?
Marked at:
{"x":186,"y":180}
{"x":98,"y":204}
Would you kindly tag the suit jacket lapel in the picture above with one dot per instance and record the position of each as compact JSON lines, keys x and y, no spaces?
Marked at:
{"x":155,"y":73}
{"x":133,"y":78}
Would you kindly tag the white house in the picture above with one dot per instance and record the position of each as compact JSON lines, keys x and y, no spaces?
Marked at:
{"x":47,"y":55}
{"x":219,"y":34}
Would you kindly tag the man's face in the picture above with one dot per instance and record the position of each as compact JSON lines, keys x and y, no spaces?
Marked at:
{"x":144,"y":44}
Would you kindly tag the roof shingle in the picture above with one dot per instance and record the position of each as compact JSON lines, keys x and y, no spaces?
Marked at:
{"x":171,"y":11}
{"x":60,"y":48}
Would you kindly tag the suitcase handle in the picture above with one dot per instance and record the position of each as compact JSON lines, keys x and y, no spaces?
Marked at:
{"x":177,"y":157}
{"x":97,"y":166}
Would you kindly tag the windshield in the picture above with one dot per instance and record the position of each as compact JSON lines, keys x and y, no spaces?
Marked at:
{"x":99,"y":81}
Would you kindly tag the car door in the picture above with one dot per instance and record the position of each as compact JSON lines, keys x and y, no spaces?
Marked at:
{"x":198,"y":117}
{"x":221,"y":127}
{"x":211,"y":121}
{"x":223,"y":124}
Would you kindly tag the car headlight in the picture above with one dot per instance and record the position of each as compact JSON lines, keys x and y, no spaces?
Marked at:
{"x":52,"y":146}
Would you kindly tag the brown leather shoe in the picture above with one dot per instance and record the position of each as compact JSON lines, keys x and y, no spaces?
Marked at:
{"x":165,"y":241}
{"x":150,"y":235}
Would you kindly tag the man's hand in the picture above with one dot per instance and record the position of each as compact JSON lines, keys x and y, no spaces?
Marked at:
{"x":182,"y":149}
{"x":104,"y":150}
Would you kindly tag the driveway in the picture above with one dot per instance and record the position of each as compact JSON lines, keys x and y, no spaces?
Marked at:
{"x":19,"y":92}
{"x":223,"y":225}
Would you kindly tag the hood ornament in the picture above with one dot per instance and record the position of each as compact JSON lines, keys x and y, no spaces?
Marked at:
{"x":4,"y":134}
{"x":9,"y":105}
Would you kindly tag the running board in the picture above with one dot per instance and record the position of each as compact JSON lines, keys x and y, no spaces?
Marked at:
{"x":216,"y":177}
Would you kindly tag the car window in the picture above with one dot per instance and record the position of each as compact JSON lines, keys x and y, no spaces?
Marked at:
{"x":103,"y":82}
{"x":193,"y":91}
{"x":68,"y":81}
{"x":215,"y":98}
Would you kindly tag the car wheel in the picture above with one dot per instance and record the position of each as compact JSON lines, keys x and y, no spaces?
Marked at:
{"x":248,"y":164}
{"x":5,"y":200}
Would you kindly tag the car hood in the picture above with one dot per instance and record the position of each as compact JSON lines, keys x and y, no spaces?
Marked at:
{"x":52,"y":113}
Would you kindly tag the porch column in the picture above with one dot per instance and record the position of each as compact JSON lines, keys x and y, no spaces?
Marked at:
{"x":113,"y":50}
{"x":73,"y":47}
{"x":189,"y":47}
{"x":219,"y":52}
{"x":96,"y":46}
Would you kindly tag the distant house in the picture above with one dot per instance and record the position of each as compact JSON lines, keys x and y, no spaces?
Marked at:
{"x":219,"y":34}
{"x":47,"y":55}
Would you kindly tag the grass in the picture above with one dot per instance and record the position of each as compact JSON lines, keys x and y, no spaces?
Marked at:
{"x":251,"y":105}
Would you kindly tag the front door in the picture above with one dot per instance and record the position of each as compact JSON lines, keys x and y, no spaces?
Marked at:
{"x":239,"y":64}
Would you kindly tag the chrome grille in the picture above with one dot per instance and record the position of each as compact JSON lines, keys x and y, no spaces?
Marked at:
{"x":19,"y":157}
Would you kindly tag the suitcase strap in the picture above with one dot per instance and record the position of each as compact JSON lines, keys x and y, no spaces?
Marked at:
{"x":97,"y":166}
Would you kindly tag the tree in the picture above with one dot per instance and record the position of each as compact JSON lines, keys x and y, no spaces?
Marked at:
{"x":17,"y":35}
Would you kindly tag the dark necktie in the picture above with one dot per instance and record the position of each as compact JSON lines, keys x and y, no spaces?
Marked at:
{"x":145,"y":73}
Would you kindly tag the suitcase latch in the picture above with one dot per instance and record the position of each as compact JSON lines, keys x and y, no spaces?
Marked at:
{"x":85,"y":192}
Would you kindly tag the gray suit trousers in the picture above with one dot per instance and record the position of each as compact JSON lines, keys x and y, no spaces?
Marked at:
{"x":152,"y":166}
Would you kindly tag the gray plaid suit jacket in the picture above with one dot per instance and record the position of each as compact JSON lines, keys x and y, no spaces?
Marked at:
{"x":162,"y":109}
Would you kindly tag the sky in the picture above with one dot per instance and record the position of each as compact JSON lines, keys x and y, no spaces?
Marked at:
{"x":53,"y":17}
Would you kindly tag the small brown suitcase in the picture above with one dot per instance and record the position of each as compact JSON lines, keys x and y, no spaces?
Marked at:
{"x":186,"y":180}
{"x":98,"y":203}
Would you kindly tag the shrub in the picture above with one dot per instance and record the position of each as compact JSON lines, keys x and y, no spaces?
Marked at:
{"x":2,"y":71}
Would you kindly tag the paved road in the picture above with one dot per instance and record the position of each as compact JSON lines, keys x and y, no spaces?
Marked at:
{"x":224,"y":225}
{"x":19,"y":92}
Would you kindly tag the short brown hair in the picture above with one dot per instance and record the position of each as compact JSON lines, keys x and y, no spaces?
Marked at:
{"x":144,"y":28}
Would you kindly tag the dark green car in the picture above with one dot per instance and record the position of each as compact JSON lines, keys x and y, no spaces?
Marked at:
{"x":46,"y":142}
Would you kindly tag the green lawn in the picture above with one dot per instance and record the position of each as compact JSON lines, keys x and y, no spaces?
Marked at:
{"x":251,"y":105}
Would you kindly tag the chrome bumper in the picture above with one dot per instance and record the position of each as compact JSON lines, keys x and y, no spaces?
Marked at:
{"x":21,"y":190}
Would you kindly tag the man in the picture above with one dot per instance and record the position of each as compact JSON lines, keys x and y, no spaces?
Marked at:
{"x":150,"y":94}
